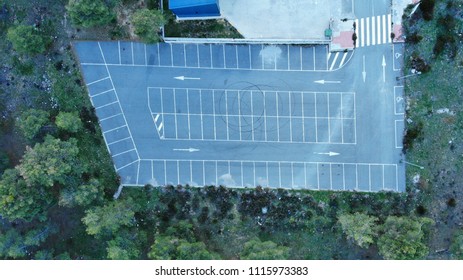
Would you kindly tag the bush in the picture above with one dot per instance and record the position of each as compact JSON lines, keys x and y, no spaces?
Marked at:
{"x":69,"y":121}
{"x":147,"y":24}
{"x":89,"y":13}
{"x":31,"y":121}
{"x":427,"y":8}
{"x":27,"y":40}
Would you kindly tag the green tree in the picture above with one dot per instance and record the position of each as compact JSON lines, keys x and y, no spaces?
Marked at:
{"x":147,"y":24}
{"x":89,"y":13}
{"x":27,"y":40}
{"x":194,"y":251}
{"x":51,"y":161}
{"x":20,"y":201}
{"x":255,"y":249}
{"x":164,"y":248}
{"x":457,"y":246}
{"x":108,"y":219}
{"x":31,"y":121}
{"x":15,"y":244}
{"x":68,"y":121}
{"x":403,"y":238}
{"x":83,"y":195}
{"x":125,"y":246}
{"x":172,"y":248}
{"x":359,"y":227}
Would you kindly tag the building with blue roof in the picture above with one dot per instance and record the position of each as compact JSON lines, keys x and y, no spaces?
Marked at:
{"x":185,"y":9}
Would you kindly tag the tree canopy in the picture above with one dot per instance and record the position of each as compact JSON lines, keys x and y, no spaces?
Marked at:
{"x":147,"y":24}
{"x":20,"y":201}
{"x":89,"y":13}
{"x":49,"y":162}
{"x":404,"y":238}
{"x":108,"y":219}
{"x":360,"y":228}
{"x":31,"y":121}
{"x":69,"y":121}
{"x":255,"y":249}
{"x":27,"y":39}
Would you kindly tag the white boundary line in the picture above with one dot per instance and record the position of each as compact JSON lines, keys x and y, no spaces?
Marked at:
{"x":100,"y":80}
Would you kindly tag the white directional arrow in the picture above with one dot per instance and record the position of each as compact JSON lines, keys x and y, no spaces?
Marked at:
{"x":182,"y":78}
{"x":191,"y":150}
{"x":364,"y":73}
{"x":384,"y":69}
{"x":327,"y":82}
{"x":328,"y":154}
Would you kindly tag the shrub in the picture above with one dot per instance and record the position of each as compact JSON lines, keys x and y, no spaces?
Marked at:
{"x":27,"y":40}
{"x":147,"y":24}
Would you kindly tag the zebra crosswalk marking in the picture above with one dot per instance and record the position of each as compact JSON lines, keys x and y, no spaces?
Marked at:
{"x":375,"y":30}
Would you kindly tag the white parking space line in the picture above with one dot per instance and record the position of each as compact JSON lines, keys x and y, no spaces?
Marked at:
{"x":117,"y":141}
{"x":213,"y":112}
{"x":128,"y":151}
{"x":226,"y":115}
{"x":239,"y":114}
{"x":224,"y":58}
{"x":290,"y":119}
{"x":119,"y":49}
{"x":303,"y":114}
{"x":171,"y":56}
{"x":278,"y":115}
{"x":188,"y":113}
{"x":146,"y":59}
{"x":316,"y":120}
{"x":178,"y":172}
{"x":107,"y":118}
{"x":108,"y":104}
{"x":159,"y":56}
{"x":250,"y":59}
{"x":300,"y":55}
{"x":122,"y":167}
{"x":106,"y":91}
{"x":383,"y":176}
{"x":334,"y":60}
{"x":184,"y":55}
{"x":201,"y":116}
{"x":175,"y":114}
{"x":342,"y":123}
{"x":369,"y":178}
{"x":204,"y":174}
{"x":197,"y":55}
{"x":331,"y":177}
{"x":389,"y":27}
{"x":119,"y":127}
{"x":138,"y":171}
{"x":362,"y":38}
{"x":313,"y":50}
{"x":133,"y":59}
{"x":367,"y":20}
{"x":97,"y":81}
{"x":285,"y":184}
{"x":343,"y":177}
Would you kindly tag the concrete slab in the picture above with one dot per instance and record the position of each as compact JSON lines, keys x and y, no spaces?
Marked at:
{"x":282,"y":19}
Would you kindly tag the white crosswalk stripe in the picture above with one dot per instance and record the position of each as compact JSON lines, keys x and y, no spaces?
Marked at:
{"x":375,"y":30}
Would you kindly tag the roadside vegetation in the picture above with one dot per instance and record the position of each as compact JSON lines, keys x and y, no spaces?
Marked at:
{"x":58,"y":181}
{"x":434,"y":115}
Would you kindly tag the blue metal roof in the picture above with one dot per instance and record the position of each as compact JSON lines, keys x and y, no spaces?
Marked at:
{"x":174,"y":4}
